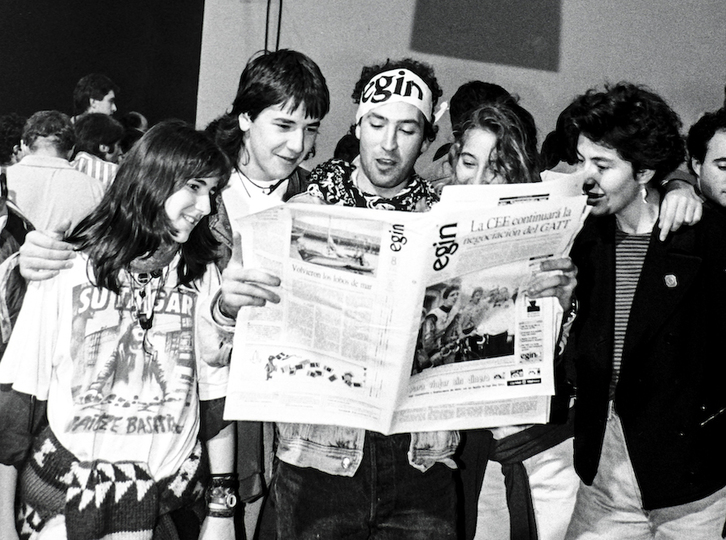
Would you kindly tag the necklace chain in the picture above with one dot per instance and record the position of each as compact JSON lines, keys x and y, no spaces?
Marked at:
{"x":143,"y":296}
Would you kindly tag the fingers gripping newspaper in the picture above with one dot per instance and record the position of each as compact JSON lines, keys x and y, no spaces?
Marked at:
{"x":398,"y":322}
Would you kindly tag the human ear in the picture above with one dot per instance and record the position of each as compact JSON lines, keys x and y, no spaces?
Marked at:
{"x":644,"y":176}
{"x":104,"y":148}
{"x":245,"y":123}
{"x":696,"y":166}
{"x":357,"y":131}
{"x":424,"y":146}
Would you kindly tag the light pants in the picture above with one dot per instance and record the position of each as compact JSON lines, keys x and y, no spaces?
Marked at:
{"x":612,"y":507}
{"x":554,"y":485}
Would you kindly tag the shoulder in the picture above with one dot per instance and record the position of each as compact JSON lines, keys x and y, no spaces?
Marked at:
{"x":332,"y":167}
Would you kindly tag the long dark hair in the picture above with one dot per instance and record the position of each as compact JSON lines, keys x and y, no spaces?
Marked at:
{"x":131,"y":221}
{"x":269,"y":79}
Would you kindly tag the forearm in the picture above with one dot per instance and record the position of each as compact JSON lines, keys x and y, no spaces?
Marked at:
{"x":221,"y":449}
{"x":8,"y":482}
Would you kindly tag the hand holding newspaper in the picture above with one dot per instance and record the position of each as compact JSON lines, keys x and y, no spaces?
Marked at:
{"x":398,"y":322}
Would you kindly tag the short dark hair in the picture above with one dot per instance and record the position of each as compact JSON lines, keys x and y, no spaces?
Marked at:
{"x":451,"y":288}
{"x":53,"y":126}
{"x":131,"y":222}
{"x":96,"y":129}
{"x":130,"y":138}
{"x":423,"y":70}
{"x":93,"y":85}
{"x":701,"y":134}
{"x":11,"y":131}
{"x":134,"y":120}
{"x":269,"y":79}
{"x":516,"y":146}
{"x":632,"y":120}
{"x":472,"y":95}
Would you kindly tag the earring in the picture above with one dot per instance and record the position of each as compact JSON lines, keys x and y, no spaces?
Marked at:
{"x":245,"y":157}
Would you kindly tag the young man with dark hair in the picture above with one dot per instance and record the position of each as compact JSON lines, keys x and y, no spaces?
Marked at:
{"x":97,"y":150}
{"x":335,"y":482}
{"x":707,"y":155}
{"x":94,"y":93}
{"x":43,"y":184}
{"x":646,"y":343}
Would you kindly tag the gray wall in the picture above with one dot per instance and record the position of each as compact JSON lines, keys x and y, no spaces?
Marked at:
{"x":677,"y":48}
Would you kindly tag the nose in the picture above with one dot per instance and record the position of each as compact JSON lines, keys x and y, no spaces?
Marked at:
{"x":204,"y":204}
{"x":296,"y":140}
{"x":390,"y":139}
{"x":113,"y":108}
{"x":482,"y":176}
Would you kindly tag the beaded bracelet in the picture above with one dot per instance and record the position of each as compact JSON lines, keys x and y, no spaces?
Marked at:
{"x":221,"y":495}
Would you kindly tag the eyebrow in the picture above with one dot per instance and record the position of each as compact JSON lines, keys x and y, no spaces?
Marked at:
{"x":288,"y":121}
{"x":386,"y":119}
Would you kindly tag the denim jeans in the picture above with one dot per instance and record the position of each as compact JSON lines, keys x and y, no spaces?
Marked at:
{"x":387,"y":498}
{"x":612,"y":508}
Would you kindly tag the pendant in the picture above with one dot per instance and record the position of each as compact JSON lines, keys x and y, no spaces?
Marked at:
{"x":146,"y":322}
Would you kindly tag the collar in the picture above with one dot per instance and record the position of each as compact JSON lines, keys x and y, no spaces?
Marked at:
{"x":35,"y":160}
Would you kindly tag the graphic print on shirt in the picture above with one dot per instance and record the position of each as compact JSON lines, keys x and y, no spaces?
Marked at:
{"x":126,"y":379}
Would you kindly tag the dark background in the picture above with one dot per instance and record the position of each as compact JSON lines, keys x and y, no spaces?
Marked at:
{"x":149,"y":48}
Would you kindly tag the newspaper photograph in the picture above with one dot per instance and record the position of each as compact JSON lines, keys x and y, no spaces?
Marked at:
{"x":395,"y":321}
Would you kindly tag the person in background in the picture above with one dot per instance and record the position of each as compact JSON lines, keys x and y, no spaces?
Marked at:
{"x":134,"y":120}
{"x":44,"y":185}
{"x":98,"y":148}
{"x":470,"y":96}
{"x":11,"y":131}
{"x":707,"y":156}
{"x":94,"y":93}
{"x":13,"y":229}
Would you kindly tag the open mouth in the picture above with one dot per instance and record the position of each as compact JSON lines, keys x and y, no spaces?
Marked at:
{"x":385,"y":163}
{"x":589,"y":188}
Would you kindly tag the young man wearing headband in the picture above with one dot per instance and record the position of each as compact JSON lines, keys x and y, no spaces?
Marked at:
{"x":338,"y":482}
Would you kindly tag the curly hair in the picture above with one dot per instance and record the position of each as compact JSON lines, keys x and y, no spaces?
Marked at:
{"x":130,"y":222}
{"x":701,"y":134}
{"x":269,"y":79}
{"x":514,"y":156}
{"x":423,"y":70}
{"x":54,"y":127}
{"x":632,"y":120}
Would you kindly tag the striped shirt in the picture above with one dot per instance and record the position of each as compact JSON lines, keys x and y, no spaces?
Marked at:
{"x":630,"y":251}
{"x":93,"y":166}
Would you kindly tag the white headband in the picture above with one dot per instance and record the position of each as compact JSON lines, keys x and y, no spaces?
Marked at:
{"x":392,"y":86}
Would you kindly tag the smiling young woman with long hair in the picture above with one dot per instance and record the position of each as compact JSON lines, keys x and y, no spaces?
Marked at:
{"x":121,"y":351}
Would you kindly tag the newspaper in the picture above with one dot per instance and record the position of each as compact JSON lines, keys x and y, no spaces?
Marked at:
{"x":395,"y":321}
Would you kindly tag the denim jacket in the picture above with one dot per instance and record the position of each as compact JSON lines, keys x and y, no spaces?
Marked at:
{"x":339,"y":450}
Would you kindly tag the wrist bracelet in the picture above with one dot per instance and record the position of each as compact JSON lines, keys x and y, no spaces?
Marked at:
{"x":221,"y":495}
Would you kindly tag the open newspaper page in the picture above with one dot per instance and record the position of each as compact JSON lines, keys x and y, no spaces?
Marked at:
{"x":485,"y":351}
{"x":395,"y":321}
{"x":336,"y":349}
